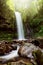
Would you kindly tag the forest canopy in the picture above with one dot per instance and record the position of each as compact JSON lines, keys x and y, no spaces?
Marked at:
{"x":32,"y":16}
{"x":31,"y":7}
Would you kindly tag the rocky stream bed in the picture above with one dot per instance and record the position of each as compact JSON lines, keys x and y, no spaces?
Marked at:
{"x":21,"y":51}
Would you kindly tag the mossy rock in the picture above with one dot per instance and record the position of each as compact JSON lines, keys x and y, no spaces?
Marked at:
{"x":38,"y":56}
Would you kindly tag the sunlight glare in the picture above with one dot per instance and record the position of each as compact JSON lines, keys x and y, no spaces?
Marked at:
{"x":21,"y":4}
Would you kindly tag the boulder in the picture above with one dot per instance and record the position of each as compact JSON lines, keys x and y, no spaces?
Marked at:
{"x":6,"y":47}
{"x":38,"y":42}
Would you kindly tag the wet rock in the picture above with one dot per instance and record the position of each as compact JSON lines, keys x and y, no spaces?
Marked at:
{"x":2,"y":48}
{"x":22,"y":42}
{"x":20,"y":63}
{"x":26,"y":51}
{"x":38,"y":56}
{"x":14,"y":47}
{"x":41,"y":43}
{"x":36,"y":42}
{"x":6,"y":47}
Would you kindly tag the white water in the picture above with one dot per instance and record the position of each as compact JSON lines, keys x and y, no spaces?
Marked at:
{"x":11,"y":55}
{"x":14,"y":53}
{"x":20,"y":37}
{"x":19,"y":26}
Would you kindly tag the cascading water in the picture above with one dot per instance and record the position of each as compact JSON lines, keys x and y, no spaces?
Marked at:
{"x":25,"y":50}
{"x":20,"y":37}
{"x":19,"y":26}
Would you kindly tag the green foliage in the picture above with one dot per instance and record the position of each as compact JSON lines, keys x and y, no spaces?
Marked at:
{"x":6,"y":36}
{"x":33,"y":15}
{"x":5,"y":11}
{"x":40,"y":33}
{"x":36,"y":22}
{"x":7,"y":19}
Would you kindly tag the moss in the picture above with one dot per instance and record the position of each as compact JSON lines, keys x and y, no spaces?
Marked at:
{"x":9,"y":63}
{"x":7,"y":36}
{"x":29,"y":64}
{"x":38,"y":56}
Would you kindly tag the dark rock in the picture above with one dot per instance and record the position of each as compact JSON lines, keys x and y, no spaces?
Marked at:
{"x":26,"y":51}
{"x":2,"y":48}
{"x":35,"y":42}
{"x":38,"y":56}
{"x":38,"y":42}
{"x":6,"y":47}
{"x":14,"y":47}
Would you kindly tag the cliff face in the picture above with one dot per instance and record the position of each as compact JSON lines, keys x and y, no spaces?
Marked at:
{"x":7,"y":17}
{"x":7,"y":22}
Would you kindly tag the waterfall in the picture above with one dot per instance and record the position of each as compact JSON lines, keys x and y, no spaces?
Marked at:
{"x":19,"y":26}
